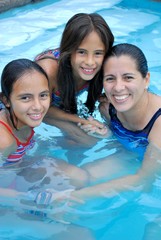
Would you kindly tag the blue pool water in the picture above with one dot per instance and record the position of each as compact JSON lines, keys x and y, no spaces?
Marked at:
{"x":25,"y":32}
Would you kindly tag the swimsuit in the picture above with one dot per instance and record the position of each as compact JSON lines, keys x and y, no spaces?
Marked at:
{"x":132,"y":140}
{"x":51,"y":53}
{"x":21,"y":147}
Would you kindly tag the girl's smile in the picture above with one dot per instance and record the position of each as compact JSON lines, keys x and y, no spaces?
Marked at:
{"x":87,"y":60}
{"x":29,"y":100}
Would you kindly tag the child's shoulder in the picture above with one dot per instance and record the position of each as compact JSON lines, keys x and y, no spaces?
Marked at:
{"x":6,"y":138}
{"x":5,"y":127}
{"x":49,"y":53}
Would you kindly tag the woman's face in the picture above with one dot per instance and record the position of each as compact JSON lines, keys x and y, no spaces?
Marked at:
{"x":87,"y":60}
{"x":30,"y":99}
{"x":123,"y":83}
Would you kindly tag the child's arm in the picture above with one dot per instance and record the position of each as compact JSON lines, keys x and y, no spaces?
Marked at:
{"x":55,"y":113}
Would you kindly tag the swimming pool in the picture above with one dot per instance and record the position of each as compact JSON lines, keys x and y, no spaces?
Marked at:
{"x":27,"y":31}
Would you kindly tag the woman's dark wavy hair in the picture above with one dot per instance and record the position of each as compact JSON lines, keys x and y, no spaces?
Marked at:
{"x":132,"y":51}
{"x":11,"y":73}
{"x":76,"y":29}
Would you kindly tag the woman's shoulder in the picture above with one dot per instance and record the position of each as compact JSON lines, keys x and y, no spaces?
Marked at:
{"x":155,"y":100}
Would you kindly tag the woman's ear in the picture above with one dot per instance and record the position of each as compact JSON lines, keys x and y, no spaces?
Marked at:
{"x":147,"y":79}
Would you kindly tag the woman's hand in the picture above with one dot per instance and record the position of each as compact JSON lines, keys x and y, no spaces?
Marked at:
{"x":103,"y":98}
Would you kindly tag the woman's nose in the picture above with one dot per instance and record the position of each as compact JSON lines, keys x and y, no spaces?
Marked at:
{"x":119,"y":85}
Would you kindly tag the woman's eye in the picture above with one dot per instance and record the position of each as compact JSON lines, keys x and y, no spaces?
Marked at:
{"x":128,"y":78}
{"x":109,"y":79}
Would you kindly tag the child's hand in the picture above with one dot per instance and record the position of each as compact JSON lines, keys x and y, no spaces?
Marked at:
{"x":91,"y":121}
{"x":95,"y":128}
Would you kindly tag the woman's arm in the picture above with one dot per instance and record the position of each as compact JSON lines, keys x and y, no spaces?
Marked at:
{"x":142,"y":180}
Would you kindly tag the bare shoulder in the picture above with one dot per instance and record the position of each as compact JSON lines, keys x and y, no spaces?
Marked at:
{"x":50,"y":65}
{"x":7,"y":141}
{"x":156,"y":100}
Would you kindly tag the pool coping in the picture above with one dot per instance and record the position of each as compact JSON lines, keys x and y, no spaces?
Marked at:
{"x":6,"y":5}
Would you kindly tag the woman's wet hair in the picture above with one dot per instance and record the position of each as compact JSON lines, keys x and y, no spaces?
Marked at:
{"x":132,"y":51}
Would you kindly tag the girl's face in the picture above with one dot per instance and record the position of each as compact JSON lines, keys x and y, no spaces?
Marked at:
{"x":123,"y":83}
{"x":30,"y":99}
{"x":87,"y":60}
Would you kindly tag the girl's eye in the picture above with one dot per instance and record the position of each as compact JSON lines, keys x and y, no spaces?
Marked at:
{"x":80,"y":51}
{"x":45,"y":95}
{"x":25,"y":98}
{"x":99,"y":53}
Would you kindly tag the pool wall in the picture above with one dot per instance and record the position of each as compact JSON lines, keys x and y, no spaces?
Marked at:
{"x":8,"y":4}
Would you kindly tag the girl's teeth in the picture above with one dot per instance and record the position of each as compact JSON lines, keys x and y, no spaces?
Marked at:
{"x":88,"y":70}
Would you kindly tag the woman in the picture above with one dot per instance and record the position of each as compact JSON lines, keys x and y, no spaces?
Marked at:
{"x":134,"y":116}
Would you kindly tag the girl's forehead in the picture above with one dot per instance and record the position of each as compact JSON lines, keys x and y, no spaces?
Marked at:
{"x":30,"y":80}
{"x":92,"y":38}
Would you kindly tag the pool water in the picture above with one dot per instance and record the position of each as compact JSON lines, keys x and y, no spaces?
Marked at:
{"x":25,"y":32}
